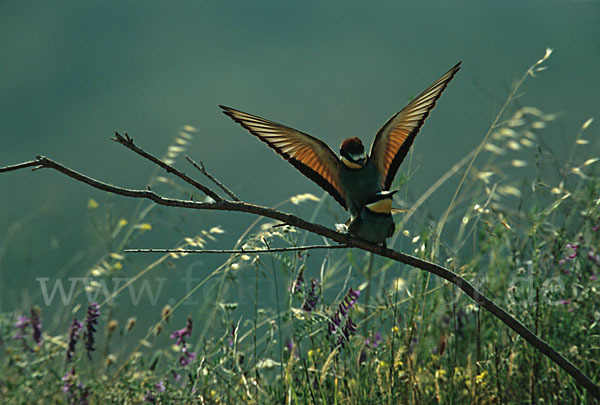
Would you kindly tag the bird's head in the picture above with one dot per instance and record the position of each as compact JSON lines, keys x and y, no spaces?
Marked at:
{"x":353,"y":154}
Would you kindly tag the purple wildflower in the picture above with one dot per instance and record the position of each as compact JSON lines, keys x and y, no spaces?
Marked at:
{"x":335,"y":322}
{"x":186,"y":357}
{"x":180,"y":334}
{"x":594,"y":257}
{"x":289,"y":344}
{"x":91,"y":320}
{"x":342,"y":312}
{"x":298,"y":281}
{"x":373,"y":343}
{"x":311,"y":299}
{"x":349,"y":328}
{"x":347,"y":331}
{"x":69,"y":381}
{"x":349,"y":301}
{"x":21,"y":325}
{"x":36,"y":324}
{"x":74,"y":332}
{"x":76,"y":392}
{"x":593,"y":277}
{"x":564,"y":302}
{"x":575,"y":247}
{"x":160,"y":386}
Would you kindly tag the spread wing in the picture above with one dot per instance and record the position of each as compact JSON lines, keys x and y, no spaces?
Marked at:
{"x":394,"y":139}
{"x":310,"y":156}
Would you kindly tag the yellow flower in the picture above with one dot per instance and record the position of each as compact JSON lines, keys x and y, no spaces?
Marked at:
{"x":480,"y":379}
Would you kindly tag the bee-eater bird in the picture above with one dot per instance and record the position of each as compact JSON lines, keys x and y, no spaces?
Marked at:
{"x":355,"y":177}
{"x":374,"y":223}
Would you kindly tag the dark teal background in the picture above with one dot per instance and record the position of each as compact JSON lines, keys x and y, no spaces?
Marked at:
{"x":73,"y":72}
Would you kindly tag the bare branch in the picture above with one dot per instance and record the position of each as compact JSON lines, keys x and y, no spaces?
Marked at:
{"x":127,"y":141}
{"x":23,"y":165}
{"x":225,"y":205}
{"x":242,"y":251}
{"x":202,"y":170}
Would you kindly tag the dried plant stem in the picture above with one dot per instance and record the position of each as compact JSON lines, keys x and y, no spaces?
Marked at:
{"x":241,"y":251}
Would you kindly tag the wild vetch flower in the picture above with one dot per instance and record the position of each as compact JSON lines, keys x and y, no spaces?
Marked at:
{"x":311,"y":299}
{"x":91,"y":320}
{"x":349,"y":301}
{"x":74,"y":332}
{"x":69,"y":382}
{"x":373,"y":343}
{"x":21,"y":325}
{"x":298,"y":281}
{"x":335,"y":322}
{"x":343,"y":309}
{"x":160,"y":386}
{"x":186,"y":357}
{"x":564,"y":302}
{"x":179,"y":335}
{"x":36,"y":324}
{"x":593,"y":257}
{"x":76,"y":392}
{"x":291,"y":346}
{"x":573,"y":255}
{"x":347,"y":331}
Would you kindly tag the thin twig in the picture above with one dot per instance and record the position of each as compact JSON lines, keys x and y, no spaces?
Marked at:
{"x":243,"y":251}
{"x":202,"y":170}
{"x":341,"y":238}
{"x":23,"y":165}
{"x":127,"y":141}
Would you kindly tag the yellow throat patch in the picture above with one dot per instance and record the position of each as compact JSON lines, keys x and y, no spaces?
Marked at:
{"x":381,"y":207}
{"x":350,"y":164}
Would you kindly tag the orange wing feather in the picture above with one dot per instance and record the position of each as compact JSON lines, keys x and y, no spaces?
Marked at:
{"x":394,"y":139}
{"x":309,"y":155}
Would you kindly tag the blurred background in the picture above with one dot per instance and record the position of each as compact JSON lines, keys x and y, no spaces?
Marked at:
{"x":74,"y":72}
